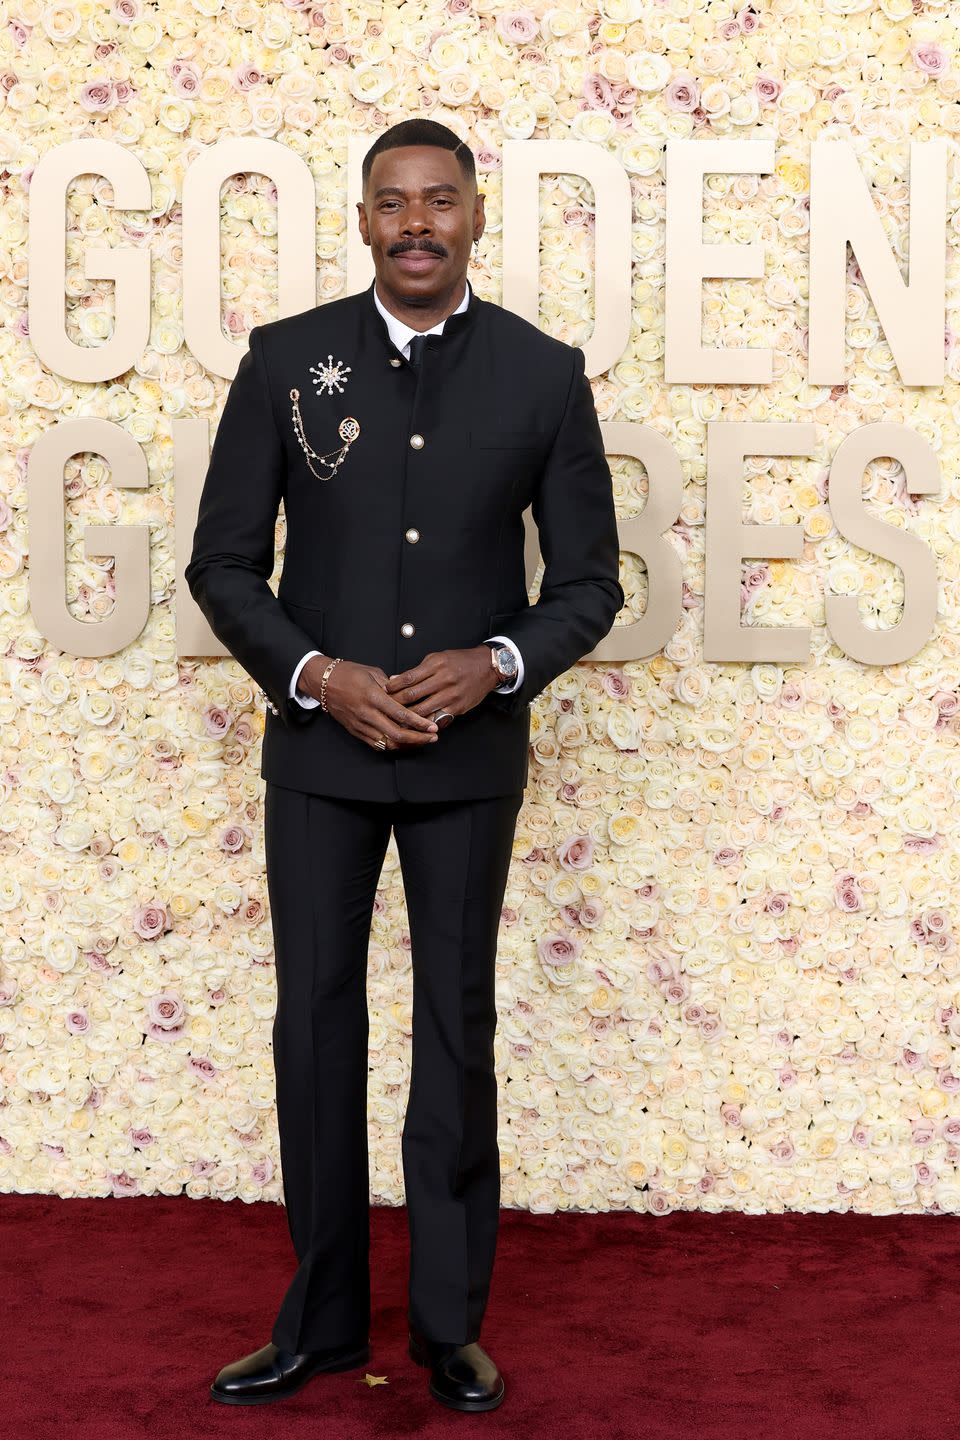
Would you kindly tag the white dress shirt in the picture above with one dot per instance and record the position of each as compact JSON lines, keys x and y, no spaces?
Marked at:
{"x":401,"y":334}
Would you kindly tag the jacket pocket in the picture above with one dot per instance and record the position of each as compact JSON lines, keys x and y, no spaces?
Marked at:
{"x":308,"y":617}
{"x":499,"y":622}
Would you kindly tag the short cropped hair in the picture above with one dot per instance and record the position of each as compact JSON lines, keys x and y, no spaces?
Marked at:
{"x":420,"y":132}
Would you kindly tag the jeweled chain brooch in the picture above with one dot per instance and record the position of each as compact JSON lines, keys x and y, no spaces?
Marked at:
{"x":348,"y":430}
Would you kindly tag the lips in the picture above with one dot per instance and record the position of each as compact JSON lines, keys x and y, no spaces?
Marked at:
{"x":417,"y":260}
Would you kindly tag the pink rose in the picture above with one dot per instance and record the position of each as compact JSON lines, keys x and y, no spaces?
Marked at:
{"x":234,"y":838}
{"x":246,"y":76}
{"x":124,"y":1184}
{"x":186,"y":79}
{"x":931,"y":58}
{"x":591,"y":913}
{"x":166,"y":1011}
{"x":682,"y":93}
{"x":558,"y":950}
{"x":847,"y":893}
{"x":576,"y":852}
{"x":126,"y":11}
{"x":216,"y":721}
{"x":253,"y":912}
{"x":201,"y":1066}
{"x":77,"y":1022}
{"x":675,"y":989}
{"x":616,"y":684}
{"x":517,"y":27}
{"x":98,"y":96}
{"x":597,"y":92}
{"x":151,"y":920}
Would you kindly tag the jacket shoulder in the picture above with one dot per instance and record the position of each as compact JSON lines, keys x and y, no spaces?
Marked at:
{"x":514,"y":329}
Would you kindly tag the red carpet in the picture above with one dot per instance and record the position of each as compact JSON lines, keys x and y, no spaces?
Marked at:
{"x":119,"y":1312}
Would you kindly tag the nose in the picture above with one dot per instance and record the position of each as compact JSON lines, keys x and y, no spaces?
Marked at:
{"x":416,"y":221}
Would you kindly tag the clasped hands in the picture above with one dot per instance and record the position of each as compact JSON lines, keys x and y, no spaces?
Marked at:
{"x":400,"y":708}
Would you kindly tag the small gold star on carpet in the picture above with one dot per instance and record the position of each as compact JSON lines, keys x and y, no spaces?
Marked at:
{"x":372,"y":1380}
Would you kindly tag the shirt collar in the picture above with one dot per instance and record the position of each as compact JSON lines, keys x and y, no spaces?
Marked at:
{"x":401,"y":333}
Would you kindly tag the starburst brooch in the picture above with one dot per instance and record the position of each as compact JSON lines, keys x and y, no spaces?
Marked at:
{"x":330,"y":377}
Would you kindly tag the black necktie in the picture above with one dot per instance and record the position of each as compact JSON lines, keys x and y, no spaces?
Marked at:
{"x":418,"y":344}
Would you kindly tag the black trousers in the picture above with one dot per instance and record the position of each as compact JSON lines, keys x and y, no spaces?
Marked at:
{"x":323,"y":858}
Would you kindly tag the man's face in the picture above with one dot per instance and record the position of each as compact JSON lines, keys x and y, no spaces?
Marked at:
{"x":419,"y":215}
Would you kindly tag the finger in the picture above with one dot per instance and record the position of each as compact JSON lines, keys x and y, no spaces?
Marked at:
{"x":397,"y":731}
{"x":414,"y":676}
{"x":397,"y":735}
{"x":400,"y":715}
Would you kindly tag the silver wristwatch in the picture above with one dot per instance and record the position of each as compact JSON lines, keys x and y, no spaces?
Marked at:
{"x":504,"y":662}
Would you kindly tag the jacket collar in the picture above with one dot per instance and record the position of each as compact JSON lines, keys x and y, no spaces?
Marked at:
{"x":452,"y":325}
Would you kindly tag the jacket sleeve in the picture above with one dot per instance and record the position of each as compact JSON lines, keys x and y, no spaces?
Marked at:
{"x":580,"y":592}
{"x":233,"y":544}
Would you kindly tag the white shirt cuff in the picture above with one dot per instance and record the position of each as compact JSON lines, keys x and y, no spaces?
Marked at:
{"x":307,"y":701}
{"x":508,"y":686}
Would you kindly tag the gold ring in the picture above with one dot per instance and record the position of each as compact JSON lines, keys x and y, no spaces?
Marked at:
{"x":381,"y":744}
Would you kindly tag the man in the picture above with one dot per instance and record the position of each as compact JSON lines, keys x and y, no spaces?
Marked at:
{"x":406,"y":429}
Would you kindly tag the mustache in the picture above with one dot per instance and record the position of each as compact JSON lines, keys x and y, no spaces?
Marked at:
{"x":431,"y":247}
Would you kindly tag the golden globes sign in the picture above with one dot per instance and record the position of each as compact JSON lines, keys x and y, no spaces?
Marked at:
{"x":911,"y":314}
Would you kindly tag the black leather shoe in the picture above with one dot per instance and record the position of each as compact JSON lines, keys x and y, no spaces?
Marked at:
{"x":463,"y":1376}
{"x":272,"y":1374}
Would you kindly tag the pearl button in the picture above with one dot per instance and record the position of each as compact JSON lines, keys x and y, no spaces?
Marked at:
{"x":394,"y":360}
{"x":413,"y":535}
{"x":416,"y":441}
{"x":406,"y":628}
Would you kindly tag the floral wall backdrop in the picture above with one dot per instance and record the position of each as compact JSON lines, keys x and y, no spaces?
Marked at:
{"x":728,"y":973}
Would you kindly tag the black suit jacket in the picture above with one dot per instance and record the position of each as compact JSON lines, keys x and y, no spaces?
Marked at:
{"x":426,"y":535}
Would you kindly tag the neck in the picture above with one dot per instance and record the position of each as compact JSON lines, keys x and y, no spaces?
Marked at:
{"x":422,"y":312}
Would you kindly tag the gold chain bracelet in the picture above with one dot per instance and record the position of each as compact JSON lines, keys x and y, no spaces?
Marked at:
{"x":323,"y":684}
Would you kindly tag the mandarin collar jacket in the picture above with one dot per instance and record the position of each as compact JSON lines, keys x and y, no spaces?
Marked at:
{"x":417,"y":543}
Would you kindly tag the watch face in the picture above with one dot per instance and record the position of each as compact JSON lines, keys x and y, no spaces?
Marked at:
{"x":506,"y":661}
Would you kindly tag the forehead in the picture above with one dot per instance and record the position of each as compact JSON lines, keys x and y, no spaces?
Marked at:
{"x":414,"y":167}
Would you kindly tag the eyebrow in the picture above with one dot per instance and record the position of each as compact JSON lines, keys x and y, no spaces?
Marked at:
{"x":427,"y":189}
